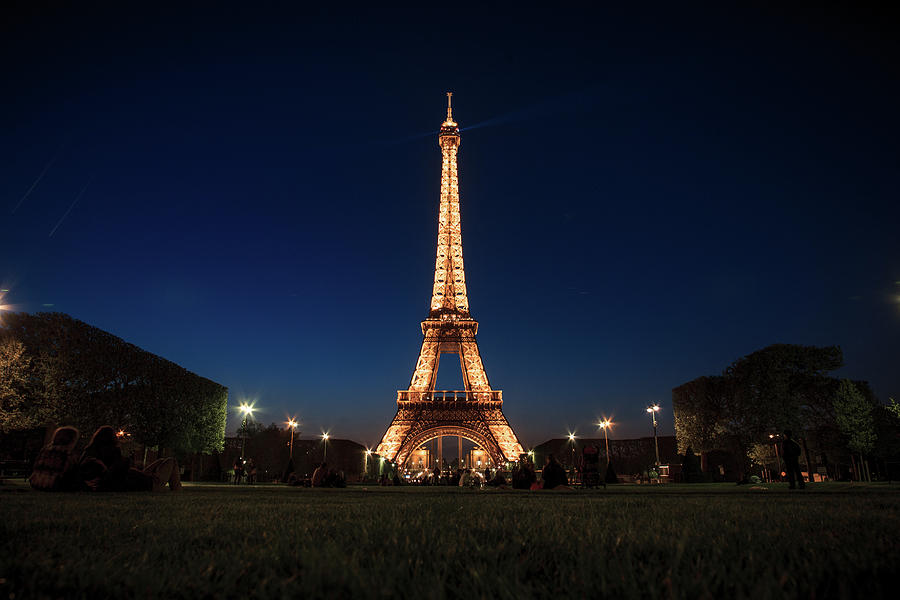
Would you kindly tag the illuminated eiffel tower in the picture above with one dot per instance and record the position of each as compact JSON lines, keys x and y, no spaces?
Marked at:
{"x":475,"y":413}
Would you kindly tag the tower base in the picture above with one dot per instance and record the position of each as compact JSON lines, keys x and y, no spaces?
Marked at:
{"x":419,"y":421}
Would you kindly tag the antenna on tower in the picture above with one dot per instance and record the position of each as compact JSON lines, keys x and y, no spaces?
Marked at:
{"x":449,"y":108}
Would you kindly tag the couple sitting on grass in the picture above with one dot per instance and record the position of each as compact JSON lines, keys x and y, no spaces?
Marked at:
{"x":553,"y":476}
{"x":101,"y":468}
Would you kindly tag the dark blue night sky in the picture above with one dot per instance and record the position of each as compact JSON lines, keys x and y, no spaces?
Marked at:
{"x":649,"y":196}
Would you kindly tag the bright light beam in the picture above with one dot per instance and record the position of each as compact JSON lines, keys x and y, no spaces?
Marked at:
{"x":36,"y":182}
{"x":74,"y":202}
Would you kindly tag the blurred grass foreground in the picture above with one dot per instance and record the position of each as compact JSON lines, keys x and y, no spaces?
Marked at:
{"x":672,"y":541}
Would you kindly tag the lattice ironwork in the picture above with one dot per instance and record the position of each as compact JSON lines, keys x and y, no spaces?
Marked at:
{"x":424,"y":413}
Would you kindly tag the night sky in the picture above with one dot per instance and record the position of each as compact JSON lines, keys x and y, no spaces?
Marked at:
{"x":645,"y":196}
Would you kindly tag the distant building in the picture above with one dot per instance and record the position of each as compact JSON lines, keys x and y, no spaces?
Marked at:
{"x":272,"y":457}
{"x":629,"y":457}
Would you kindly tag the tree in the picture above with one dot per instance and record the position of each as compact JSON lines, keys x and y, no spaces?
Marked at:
{"x":699,"y":407}
{"x":853,"y":413}
{"x":893,"y":407}
{"x":80,"y":375}
{"x":14,"y":366}
{"x":782,"y":386}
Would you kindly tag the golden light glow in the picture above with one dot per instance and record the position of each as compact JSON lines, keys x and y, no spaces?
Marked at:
{"x":604,"y":424}
{"x":325,"y":436}
{"x":654,"y":408}
{"x":246,"y":409}
{"x":292,"y":424}
{"x":571,"y":437}
{"x":449,"y":329}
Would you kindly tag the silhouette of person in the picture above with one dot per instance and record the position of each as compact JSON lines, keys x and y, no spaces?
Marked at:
{"x":238,"y":469}
{"x":251,"y":471}
{"x":103,"y":468}
{"x":319,"y":475}
{"x":790,"y":450}
{"x":56,"y":467}
{"x":523,"y":476}
{"x":553,"y":474}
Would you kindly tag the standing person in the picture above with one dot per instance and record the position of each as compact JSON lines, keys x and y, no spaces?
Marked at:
{"x":790,"y":451}
{"x":251,"y":471}
{"x":238,"y":470}
{"x":56,"y":467}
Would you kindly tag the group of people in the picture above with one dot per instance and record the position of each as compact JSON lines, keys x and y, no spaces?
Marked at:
{"x":523,"y":477}
{"x":245,"y":467}
{"x":326,"y":477}
{"x":101,"y":467}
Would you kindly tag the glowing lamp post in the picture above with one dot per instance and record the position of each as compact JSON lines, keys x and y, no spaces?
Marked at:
{"x":247,"y":411}
{"x":293,"y":425}
{"x":572,"y":439}
{"x":366,"y":462}
{"x":774,"y":439}
{"x":605,"y":425}
{"x":653,"y":410}
{"x":325,"y":452}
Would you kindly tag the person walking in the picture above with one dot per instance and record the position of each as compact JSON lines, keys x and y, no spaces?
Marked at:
{"x":790,"y":451}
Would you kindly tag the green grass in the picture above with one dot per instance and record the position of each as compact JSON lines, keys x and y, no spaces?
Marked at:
{"x":831,"y":541}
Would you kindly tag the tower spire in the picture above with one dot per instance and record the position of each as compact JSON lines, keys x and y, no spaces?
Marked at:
{"x":449,"y":107}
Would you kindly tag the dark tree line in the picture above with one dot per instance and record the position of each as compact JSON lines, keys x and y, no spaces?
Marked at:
{"x":782,"y":387}
{"x":59,"y":370}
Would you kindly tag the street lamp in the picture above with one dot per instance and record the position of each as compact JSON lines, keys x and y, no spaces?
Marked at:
{"x":572,"y":439}
{"x":293,"y":425}
{"x":366,"y":462}
{"x":774,"y":438}
{"x":605,"y":425}
{"x":325,"y":452}
{"x":653,"y":410}
{"x":247,"y":411}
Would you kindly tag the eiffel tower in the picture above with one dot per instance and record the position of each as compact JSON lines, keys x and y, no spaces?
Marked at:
{"x":475,"y":413}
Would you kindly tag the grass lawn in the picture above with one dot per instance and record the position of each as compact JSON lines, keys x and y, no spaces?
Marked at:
{"x":682,"y":541}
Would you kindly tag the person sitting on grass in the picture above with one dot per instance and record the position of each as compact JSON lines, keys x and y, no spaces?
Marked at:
{"x":553,"y":474}
{"x":319,"y":475}
{"x":56,"y":467}
{"x":103,"y":468}
{"x":498,"y":481}
{"x":523,"y":476}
